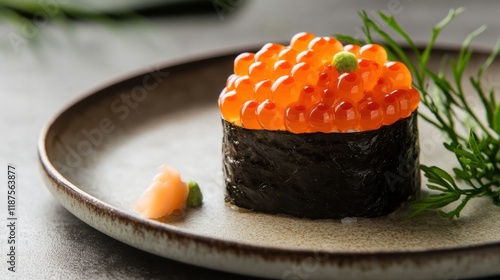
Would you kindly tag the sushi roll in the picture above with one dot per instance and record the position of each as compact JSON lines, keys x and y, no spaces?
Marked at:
{"x":320,"y":130}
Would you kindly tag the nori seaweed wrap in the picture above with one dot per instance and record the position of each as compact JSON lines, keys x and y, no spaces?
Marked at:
{"x":317,"y":129}
{"x":322,"y":175}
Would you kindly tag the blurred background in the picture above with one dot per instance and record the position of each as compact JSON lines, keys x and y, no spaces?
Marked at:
{"x":81,"y":44}
{"x":53,"y":51}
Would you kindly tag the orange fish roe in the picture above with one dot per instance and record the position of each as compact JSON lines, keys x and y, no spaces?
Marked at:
{"x":390,"y":107}
{"x":404,"y":101}
{"x":244,"y":87}
{"x":329,"y":76}
{"x":398,"y":74}
{"x":346,"y":116}
{"x":259,"y":71}
{"x":369,"y":71}
{"x":350,"y":87}
{"x":309,"y":95}
{"x":373,"y":52}
{"x":288,"y":54}
{"x":352,"y":49}
{"x":262,"y":90}
{"x":268,"y":56}
{"x":334,"y":44}
{"x":296,"y":118}
{"x":276,"y":48}
{"x":283,"y":90}
{"x":242,"y":62}
{"x":269,"y":116}
{"x":281,"y":68}
{"x":301,"y":41}
{"x":230,"y":106}
{"x":371,"y":115}
{"x":321,"y":118}
{"x":381,"y":88}
{"x":317,"y":85}
{"x":303,"y":73}
{"x":414,"y":99}
{"x":308,"y":56}
{"x":230,"y":82}
{"x":328,"y":96}
{"x":249,"y":115}
{"x":325,"y":47}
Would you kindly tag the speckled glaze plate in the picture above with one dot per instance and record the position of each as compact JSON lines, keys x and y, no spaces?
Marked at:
{"x":101,"y":152}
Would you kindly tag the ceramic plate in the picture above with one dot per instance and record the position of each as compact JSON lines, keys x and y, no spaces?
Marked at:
{"x":100,"y":153}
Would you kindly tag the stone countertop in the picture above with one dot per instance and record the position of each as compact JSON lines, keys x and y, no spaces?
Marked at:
{"x":45,"y":66}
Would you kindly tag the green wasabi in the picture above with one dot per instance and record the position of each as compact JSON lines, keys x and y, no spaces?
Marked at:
{"x":345,"y":62}
{"x":195,"y":197}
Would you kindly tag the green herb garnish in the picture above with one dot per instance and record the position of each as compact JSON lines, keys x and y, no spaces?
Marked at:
{"x":472,"y":137}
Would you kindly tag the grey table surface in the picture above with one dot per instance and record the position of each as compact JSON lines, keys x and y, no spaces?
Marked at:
{"x":45,"y":66}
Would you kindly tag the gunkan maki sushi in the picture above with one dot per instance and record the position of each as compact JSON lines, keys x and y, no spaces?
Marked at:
{"x":317,"y":129}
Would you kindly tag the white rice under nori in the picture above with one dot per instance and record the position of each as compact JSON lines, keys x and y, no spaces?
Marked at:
{"x":322,"y":175}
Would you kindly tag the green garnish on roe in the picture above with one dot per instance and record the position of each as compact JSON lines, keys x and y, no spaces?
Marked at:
{"x":345,"y":62}
{"x":195,"y":197}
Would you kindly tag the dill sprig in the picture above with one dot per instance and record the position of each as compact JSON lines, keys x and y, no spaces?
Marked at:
{"x":475,"y":143}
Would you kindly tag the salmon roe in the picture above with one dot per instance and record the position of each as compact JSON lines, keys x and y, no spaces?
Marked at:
{"x":301,"y":88}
